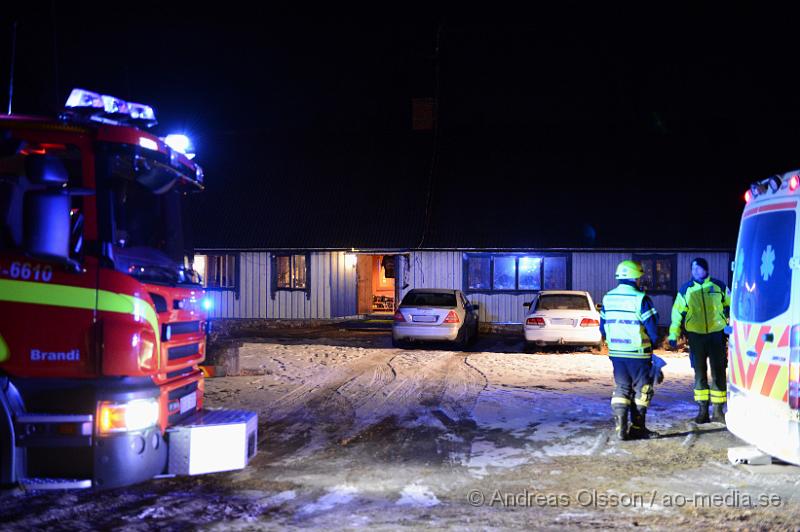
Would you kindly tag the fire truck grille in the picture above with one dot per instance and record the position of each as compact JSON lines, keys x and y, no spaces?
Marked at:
{"x":177,"y":394}
{"x":184,"y":327}
{"x":182,"y":351}
{"x":178,"y":373}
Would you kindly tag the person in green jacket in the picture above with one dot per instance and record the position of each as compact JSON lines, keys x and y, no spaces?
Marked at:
{"x":702,"y":308}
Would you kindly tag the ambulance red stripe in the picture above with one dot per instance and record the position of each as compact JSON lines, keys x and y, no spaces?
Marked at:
{"x":751,"y":371}
{"x":769,"y":380}
{"x":784,"y":341}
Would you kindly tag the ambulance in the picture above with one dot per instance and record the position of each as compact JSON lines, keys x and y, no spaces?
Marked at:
{"x":764,"y":331}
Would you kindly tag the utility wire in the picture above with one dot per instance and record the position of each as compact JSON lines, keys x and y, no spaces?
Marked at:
{"x":435,"y":154}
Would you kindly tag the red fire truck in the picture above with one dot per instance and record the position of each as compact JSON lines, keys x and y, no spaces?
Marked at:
{"x":102,"y":319}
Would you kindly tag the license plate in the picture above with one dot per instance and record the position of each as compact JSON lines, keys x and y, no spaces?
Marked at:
{"x":561,"y":321}
{"x":423,"y":319}
{"x":188,"y":402}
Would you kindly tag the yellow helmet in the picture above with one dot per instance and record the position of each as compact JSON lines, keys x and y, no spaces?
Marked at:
{"x":629,"y":269}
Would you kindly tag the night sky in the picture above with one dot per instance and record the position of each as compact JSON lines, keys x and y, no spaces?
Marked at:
{"x":610,"y":129}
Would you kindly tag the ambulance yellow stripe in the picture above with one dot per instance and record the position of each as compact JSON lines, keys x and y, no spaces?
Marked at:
{"x":752,"y":338}
{"x":738,"y":361}
{"x":733,"y":368}
{"x":781,"y":384}
{"x":761,"y":372}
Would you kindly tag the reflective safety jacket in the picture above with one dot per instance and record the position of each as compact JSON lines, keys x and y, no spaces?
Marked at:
{"x":628,"y":321}
{"x":700,"y":308}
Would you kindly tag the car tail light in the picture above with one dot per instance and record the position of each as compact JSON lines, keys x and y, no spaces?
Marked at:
{"x":588,"y":322}
{"x":539,"y":322}
{"x":452,"y":317}
{"x":398,"y":317}
{"x":794,"y":368}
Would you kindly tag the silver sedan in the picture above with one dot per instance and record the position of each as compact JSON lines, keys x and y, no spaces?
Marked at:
{"x":428,"y":314}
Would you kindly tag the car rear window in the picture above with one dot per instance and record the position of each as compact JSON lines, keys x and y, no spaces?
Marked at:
{"x":429,"y":299}
{"x":762,"y":279}
{"x":562,"y":302}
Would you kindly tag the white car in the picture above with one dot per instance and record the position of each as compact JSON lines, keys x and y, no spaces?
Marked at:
{"x":562,"y":317}
{"x":428,"y":314}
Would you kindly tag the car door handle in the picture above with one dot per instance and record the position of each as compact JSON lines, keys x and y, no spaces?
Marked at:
{"x":768,"y":337}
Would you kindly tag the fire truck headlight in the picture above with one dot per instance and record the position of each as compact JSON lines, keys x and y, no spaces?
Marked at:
{"x":132,"y":416}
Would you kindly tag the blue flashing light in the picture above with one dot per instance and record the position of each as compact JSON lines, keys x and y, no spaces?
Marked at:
{"x":140,"y":111}
{"x":110,"y":105}
{"x":180,"y":143}
{"x":207,"y":303}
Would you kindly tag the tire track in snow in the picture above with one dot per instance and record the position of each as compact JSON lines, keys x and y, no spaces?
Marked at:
{"x":463,"y":386}
{"x":317,"y":387}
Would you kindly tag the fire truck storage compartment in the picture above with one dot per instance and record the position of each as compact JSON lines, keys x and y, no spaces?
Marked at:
{"x":212,"y":441}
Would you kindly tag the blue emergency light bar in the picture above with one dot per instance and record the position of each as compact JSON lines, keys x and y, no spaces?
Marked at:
{"x":180,"y":143}
{"x":105,"y":108}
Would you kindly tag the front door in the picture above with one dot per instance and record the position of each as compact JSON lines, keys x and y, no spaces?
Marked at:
{"x":364,"y":276}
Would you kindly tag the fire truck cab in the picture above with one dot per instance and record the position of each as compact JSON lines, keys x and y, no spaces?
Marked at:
{"x":103,"y":322}
{"x":764,"y":342}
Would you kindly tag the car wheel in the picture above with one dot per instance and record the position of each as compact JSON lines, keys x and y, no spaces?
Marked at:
{"x":461,"y":339}
{"x":474,"y":337}
{"x":527,"y":347}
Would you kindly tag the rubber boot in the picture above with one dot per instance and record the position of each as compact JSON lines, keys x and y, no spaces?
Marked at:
{"x":717,"y":415}
{"x":639,"y":430}
{"x":702,"y":415}
{"x":621,"y":424}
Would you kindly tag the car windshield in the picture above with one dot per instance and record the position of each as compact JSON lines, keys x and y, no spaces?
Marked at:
{"x":429,"y":299}
{"x":762,"y":278}
{"x":562,"y":302}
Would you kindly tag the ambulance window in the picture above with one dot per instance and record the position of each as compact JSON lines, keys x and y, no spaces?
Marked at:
{"x":762,"y":278}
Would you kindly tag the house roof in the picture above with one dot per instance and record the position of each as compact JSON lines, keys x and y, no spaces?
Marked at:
{"x":479,"y":192}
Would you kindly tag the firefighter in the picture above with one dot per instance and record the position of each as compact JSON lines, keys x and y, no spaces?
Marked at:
{"x":702,"y":308}
{"x":628,"y":323}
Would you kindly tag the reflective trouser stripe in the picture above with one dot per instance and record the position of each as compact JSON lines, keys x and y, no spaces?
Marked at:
{"x":718,"y":397}
{"x":701,"y":395}
{"x":628,"y":354}
{"x":645,"y":396}
{"x":620,"y":401}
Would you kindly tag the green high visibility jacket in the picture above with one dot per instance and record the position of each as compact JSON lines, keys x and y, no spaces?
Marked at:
{"x":700,"y":308}
{"x":624,"y":318}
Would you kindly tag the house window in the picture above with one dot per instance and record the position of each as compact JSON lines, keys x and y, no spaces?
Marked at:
{"x":479,"y":271}
{"x":217,"y":271}
{"x":515,"y":273}
{"x":290,"y":272}
{"x":659,"y":273}
{"x":530,"y":273}
{"x":555,"y":273}
{"x":505,"y":273}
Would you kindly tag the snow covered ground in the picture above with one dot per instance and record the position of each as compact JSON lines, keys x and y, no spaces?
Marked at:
{"x":355,"y":433}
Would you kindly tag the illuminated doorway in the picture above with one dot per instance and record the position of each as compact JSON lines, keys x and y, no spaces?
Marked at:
{"x":376,"y":276}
